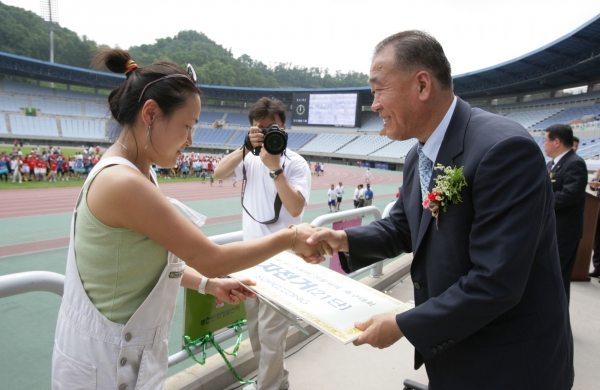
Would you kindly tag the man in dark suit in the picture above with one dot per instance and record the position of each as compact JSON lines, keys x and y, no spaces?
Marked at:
{"x":568,"y":173}
{"x":491,"y":311}
{"x":596,"y":256}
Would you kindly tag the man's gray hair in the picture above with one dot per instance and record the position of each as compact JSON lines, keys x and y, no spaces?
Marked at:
{"x":416,"y":50}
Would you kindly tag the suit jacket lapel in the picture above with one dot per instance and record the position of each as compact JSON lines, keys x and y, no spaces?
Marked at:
{"x":562,"y":161}
{"x":452,"y":147}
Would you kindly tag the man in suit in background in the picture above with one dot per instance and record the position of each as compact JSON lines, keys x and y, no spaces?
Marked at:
{"x":575,"y":144}
{"x":491,"y":311}
{"x":568,"y":174}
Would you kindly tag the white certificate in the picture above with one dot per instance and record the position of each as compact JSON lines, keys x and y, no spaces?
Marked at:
{"x":329,"y":301}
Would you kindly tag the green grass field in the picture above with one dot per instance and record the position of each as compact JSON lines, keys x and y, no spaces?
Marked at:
{"x":27,"y":149}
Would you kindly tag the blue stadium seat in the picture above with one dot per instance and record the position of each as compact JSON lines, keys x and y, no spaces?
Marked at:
{"x":79,"y":128}
{"x":396,"y":149}
{"x":213,"y":137}
{"x":237,"y":119}
{"x":209,"y":117}
{"x":327,"y":143}
{"x":31,"y":125}
{"x":97,"y":110}
{"x":3,"y":128}
{"x":365,"y":145}
{"x":26,"y":88}
{"x":12,"y":103}
{"x":57,"y":107}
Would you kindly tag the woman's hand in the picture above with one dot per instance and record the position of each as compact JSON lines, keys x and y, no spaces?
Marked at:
{"x":229,"y":290}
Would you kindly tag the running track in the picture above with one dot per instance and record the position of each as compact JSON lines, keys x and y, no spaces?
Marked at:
{"x":45,"y":201}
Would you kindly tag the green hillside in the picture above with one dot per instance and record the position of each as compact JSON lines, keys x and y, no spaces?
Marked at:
{"x":25,"y":33}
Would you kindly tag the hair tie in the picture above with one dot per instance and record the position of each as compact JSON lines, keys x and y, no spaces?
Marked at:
{"x":129,"y":66}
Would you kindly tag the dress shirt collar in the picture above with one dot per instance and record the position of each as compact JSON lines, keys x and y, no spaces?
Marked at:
{"x":557,"y":159}
{"x":432,"y":147}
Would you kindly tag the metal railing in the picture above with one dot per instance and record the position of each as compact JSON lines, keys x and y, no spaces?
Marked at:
{"x":24,"y":282}
{"x":376,"y":268}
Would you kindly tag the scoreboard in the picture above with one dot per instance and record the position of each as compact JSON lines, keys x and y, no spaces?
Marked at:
{"x":326,"y":109}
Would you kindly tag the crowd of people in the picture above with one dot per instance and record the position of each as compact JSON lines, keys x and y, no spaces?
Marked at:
{"x":50,"y":164}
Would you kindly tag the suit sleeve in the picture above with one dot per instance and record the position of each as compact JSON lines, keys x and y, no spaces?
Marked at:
{"x":380,"y":240}
{"x":574,"y":183}
{"x":510,"y":209}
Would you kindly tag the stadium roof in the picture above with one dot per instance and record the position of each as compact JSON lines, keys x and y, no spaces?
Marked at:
{"x":573,"y":60}
{"x":570,"y":61}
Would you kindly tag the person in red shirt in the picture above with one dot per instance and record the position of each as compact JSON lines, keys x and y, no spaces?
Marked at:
{"x":40,"y":169}
{"x":31,"y":163}
{"x":66,"y":172}
{"x":53,"y":169}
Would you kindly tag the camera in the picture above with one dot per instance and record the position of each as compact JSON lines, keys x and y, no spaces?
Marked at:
{"x":275,"y":140}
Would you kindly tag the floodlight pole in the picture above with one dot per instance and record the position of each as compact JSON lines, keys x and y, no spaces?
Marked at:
{"x":51,"y":32}
{"x":51,"y":18}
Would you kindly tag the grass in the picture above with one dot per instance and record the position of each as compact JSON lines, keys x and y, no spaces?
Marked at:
{"x":79,"y":183}
{"x":27,"y":149}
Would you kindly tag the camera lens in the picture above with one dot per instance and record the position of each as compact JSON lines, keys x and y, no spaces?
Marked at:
{"x":274,"y":142}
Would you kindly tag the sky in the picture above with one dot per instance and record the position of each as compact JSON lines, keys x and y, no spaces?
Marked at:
{"x":337,"y":35}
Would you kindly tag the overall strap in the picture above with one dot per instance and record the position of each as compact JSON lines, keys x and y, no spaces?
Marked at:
{"x":101,"y":165}
{"x":197,"y":218}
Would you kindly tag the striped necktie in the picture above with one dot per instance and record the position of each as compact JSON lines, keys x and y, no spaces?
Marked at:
{"x":425,"y":171}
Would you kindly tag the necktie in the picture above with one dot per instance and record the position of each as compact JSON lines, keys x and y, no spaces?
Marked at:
{"x":425,"y":170}
{"x":549,"y":166}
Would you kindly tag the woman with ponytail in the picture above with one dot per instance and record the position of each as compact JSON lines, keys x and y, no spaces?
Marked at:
{"x":131,"y":249}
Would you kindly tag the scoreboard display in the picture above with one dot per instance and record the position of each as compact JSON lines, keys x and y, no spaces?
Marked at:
{"x":326,"y":109}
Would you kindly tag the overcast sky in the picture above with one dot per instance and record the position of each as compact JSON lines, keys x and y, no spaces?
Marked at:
{"x":338,"y":35}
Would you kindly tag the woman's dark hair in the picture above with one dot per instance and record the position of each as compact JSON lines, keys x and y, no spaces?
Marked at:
{"x":170,"y":94}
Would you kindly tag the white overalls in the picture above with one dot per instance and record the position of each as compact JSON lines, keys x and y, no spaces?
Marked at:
{"x":92,"y":352}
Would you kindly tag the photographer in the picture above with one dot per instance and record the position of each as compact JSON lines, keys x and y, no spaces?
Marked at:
{"x":266,"y":178}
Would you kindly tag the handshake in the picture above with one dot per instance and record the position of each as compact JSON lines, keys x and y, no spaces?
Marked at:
{"x":313,"y":243}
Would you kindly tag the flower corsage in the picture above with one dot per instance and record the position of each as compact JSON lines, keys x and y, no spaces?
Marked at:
{"x":446,"y":191}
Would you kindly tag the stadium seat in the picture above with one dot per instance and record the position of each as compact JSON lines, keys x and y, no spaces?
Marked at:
{"x":327,"y":143}
{"x":12,"y":103}
{"x":35,"y":126}
{"x":396,"y":149}
{"x":365,"y":144}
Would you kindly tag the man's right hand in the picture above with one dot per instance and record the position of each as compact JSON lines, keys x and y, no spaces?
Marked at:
{"x":256,"y":137}
{"x":332,"y":241}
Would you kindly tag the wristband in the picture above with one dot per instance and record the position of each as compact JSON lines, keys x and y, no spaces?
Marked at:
{"x":295,"y":235}
{"x":202,"y":286}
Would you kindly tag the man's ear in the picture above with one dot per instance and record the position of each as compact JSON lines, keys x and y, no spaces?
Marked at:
{"x":424,"y":82}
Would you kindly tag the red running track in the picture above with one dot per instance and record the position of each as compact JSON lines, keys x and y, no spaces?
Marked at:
{"x":42,"y":201}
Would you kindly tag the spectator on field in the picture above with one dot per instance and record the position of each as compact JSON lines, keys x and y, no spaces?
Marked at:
{"x":369,"y":196}
{"x":53,"y":167}
{"x":398,"y":193}
{"x":15,"y":166}
{"x":4,"y":167}
{"x":331,"y":198}
{"x":339,"y":192}
{"x":368,"y":176}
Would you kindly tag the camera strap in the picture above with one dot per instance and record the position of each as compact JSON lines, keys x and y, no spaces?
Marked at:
{"x":276,"y":205}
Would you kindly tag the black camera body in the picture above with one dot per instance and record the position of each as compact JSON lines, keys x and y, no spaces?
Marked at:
{"x":275,"y":140}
